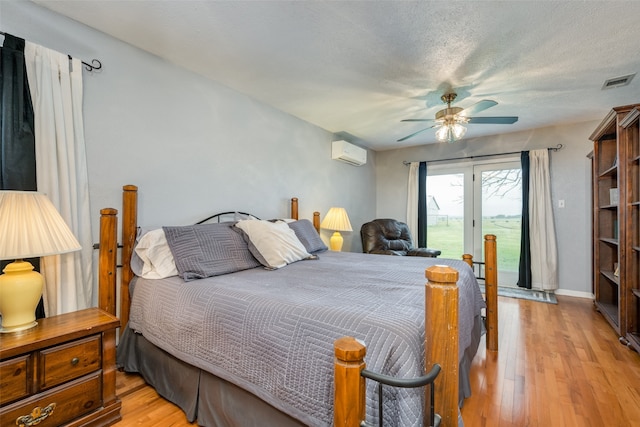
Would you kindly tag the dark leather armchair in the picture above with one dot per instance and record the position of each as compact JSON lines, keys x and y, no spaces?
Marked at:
{"x":391,"y":237}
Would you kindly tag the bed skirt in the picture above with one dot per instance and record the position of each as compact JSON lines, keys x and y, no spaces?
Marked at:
{"x":213,"y":401}
{"x":202,"y":396}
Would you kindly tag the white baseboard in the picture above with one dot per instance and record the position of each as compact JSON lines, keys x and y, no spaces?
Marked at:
{"x":577,"y":294}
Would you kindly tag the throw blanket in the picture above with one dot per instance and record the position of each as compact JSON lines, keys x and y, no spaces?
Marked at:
{"x":272,"y":332}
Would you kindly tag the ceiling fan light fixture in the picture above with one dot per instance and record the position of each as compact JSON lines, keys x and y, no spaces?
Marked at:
{"x":450,"y":132}
{"x":450,"y":122}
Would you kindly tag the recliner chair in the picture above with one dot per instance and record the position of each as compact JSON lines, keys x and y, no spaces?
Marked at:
{"x":391,"y":237}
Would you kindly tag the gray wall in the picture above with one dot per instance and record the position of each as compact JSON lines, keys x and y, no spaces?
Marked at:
{"x":570,"y":181}
{"x":193,"y":146}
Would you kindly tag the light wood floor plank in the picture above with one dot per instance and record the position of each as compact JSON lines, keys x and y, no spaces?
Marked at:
{"x":558,"y":365}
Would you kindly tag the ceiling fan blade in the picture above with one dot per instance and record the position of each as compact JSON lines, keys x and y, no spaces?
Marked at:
{"x":507,"y":120}
{"x":477,"y":107}
{"x":415,"y":133}
{"x":418,"y":120}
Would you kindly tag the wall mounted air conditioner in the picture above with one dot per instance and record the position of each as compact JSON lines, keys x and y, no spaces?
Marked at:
{"x":348,"y":153}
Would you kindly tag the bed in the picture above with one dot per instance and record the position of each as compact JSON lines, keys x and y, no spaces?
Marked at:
{"x":263,"y":338}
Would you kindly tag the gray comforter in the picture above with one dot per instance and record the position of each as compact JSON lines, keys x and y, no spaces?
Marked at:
{"x":272,"y":332}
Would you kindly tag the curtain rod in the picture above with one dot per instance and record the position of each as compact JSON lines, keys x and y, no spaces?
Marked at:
{"x":95,"y":63}
{"x":556,"y":148}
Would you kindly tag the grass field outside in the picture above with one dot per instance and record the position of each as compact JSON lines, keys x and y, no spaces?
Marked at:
{"x":448,"y":237}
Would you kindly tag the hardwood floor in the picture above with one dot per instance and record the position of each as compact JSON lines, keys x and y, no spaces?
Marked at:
{"x":142,"y":406}
{"x":558,"y":365}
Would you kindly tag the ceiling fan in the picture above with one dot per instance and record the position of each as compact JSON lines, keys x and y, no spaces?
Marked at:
{"x":451,"y":120}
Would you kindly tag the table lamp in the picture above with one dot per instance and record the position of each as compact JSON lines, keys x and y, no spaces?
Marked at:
{"x":30,"y":227}
{"x":336,"y":220}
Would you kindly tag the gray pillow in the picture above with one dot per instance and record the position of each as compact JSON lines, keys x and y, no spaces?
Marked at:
{"x":207,"y":250}
{"x":307,"y":234}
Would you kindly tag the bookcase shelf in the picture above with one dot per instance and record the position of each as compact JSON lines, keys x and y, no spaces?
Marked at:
{"x":616,"y":221}
{"x":612,"y":171}
{"x":611,"y":276}
{"x":609,"y":241}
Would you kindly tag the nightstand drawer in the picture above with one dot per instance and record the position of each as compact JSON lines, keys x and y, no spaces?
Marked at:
{"x":14,"y":381}
{"x":57,"y":406}
{"x":61,"y":372}
{"x":69,"y":361}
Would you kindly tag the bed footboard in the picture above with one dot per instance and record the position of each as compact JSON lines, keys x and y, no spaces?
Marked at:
{"x":441,"y":297}
{"x":441,"y":345}
{"x":490,"y":287}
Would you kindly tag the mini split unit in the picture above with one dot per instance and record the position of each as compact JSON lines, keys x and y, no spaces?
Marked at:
{"x":348,"y":153}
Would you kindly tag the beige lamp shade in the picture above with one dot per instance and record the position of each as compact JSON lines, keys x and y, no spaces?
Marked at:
{"x":30,"y":227}
{"x":336,"y":220}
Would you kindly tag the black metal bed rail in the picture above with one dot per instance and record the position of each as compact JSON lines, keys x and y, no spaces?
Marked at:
{"x":427,"y":379}
{"x":218,"y":216}
{"x":480,"y":271}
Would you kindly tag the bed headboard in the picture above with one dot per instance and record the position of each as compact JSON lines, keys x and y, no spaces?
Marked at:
{"x":220,"y":217}
{"x":223,"y":216}
{"x":108,"y":249}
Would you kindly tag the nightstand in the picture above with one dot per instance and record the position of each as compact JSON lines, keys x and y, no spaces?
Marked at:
{"x":62,"y":372}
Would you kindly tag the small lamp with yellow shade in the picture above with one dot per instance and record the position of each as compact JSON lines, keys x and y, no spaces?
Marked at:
{"x":336,"y":220}
{"x":30,"y":227}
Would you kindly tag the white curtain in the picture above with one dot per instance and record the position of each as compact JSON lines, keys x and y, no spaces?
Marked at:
{"x":56,"y":91}
{"x":544,"y":252}
{"x":412,"y":199}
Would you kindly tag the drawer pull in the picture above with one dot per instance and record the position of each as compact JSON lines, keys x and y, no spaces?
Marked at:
{"x":75,"y":361}
{"x":36,"y":417}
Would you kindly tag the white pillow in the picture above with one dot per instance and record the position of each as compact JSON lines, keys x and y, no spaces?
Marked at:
{"x":276,"y":243}
{"x":157,"y":260}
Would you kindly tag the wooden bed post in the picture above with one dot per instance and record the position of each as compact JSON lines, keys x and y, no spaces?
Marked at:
{"x":129,"y":231}
{"x":316,"y":221}
{"x":294,"y":208}
{"x":107,"y":260}
{"x":491,"y":290}
{"x":349,"y":385}
{"x":468,"y":258}
{"x":441,"y":339}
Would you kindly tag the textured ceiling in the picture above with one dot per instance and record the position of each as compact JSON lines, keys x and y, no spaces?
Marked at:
{"x":356,"y":68}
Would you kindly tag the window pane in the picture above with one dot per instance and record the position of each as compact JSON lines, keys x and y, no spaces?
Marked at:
{"x":501,"y":215}
{"x":445,"y":214}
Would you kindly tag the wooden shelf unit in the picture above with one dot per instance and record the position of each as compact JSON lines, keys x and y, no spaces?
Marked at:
{"x":616,"y":221}
{"x":630,"y":125}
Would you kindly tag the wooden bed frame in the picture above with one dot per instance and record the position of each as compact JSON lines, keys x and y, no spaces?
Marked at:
{"x":441,"y":316}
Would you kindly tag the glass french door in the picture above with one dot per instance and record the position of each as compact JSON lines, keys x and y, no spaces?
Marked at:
{"x":465,"y":202}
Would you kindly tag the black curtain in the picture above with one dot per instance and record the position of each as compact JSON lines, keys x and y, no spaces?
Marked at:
{"x":17,"y":144}
{"x":524,"y":271}
{"x":17,"y":140}
{"x":422,"y":205}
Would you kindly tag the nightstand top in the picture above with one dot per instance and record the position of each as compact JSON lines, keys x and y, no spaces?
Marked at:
{"x":57,"y":329}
